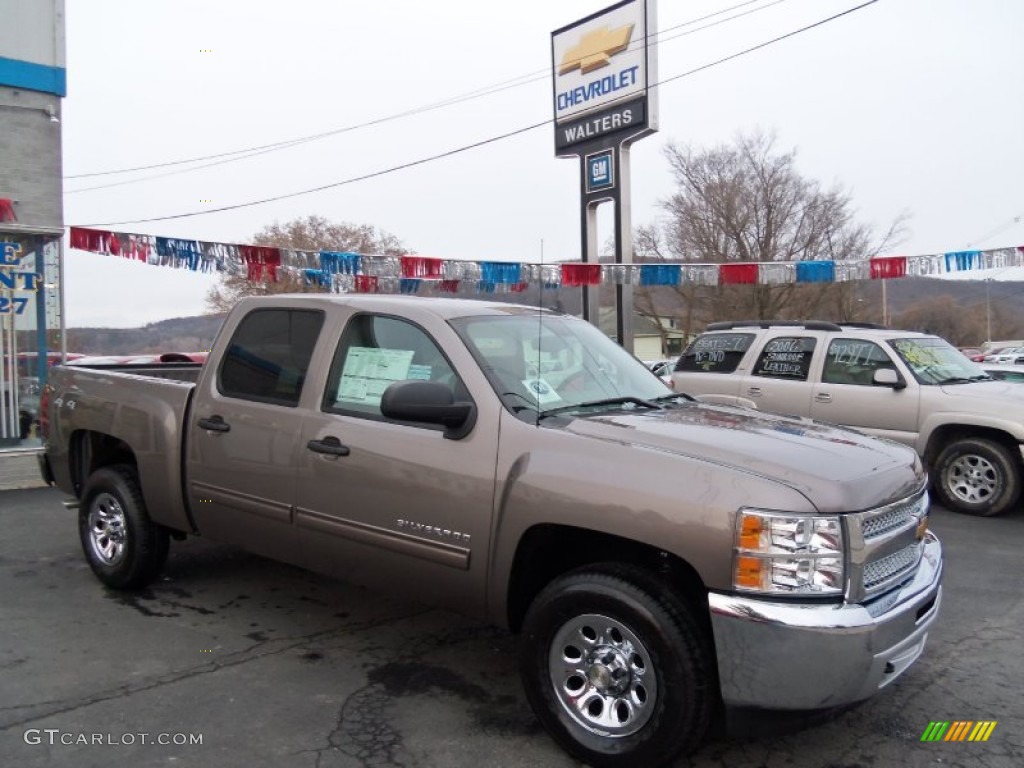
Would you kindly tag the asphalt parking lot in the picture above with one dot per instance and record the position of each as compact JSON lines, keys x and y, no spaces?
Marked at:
{"x":269,"y":665}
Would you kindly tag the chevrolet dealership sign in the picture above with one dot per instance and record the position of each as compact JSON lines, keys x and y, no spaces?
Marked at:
{"x":603,"y":67}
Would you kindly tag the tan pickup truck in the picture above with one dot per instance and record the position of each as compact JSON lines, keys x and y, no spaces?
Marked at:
{"x":659,"y":557}
{"x":906,"y":386}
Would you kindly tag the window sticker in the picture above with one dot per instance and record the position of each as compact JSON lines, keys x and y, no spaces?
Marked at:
{"x":917,"y":354}
{"x":715,"y":353}
{"x":368,"y":371}
{"x":543,"y":392}
{"x":419,"y":372}
{"x":786,"y":357}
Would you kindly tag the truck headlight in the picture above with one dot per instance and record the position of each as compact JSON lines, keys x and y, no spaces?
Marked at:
{"x":779,"y":553}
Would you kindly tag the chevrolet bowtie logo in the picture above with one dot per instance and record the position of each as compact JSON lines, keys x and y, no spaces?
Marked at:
{"x":595,"y":49}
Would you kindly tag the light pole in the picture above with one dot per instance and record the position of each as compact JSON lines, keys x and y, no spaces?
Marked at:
{"x":988,"y":309}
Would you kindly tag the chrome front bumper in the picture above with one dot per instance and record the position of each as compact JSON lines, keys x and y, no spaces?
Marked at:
{"x":785,"y":655}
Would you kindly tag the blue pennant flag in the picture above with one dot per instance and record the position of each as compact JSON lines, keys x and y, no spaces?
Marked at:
{"x":960,"y":261}
{"x":815,"y":271}
{"x":660,"y":274}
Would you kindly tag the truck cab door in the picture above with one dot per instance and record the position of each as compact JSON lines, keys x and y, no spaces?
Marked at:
{"x":245,"y":429}
{"x":397,"y":505}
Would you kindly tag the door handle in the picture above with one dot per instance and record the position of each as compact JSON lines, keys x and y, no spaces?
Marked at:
{"x":214,"y":424}
{"x":823,"y":397}
{"x":330,"y":446}
{"x":754,"y":391}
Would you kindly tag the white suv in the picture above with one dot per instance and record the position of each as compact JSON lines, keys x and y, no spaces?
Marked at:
{"x":911,"y":387}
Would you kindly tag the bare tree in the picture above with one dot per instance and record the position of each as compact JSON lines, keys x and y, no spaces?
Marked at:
{"x":311,"y":233}
{"x":747,"y":202}
{"x":960,"y":323}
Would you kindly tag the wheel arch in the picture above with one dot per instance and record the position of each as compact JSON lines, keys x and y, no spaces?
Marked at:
{"x":547,"y":551}
{"x":91,"y":450}
{"x":948,"y":433}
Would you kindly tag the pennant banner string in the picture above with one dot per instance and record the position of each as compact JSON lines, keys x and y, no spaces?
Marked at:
{"x":344,"y":271}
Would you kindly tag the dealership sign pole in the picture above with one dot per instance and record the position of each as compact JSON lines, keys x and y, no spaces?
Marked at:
{"x":604,"y":73}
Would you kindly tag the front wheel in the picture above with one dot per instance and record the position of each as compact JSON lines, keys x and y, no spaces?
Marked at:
{"x":124,"y":548}
{"x":976,"y":476}
{"x":617,"y":668}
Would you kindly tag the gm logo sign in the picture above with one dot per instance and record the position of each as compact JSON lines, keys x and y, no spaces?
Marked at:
{"x":600,"y":168}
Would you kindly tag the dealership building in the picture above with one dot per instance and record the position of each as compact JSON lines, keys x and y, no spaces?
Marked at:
{"x":32,"y":84}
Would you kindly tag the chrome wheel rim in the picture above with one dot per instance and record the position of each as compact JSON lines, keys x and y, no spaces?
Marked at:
{"x":602,"y":675}
{"x":972,"y":478}
{"x":107,"y":529}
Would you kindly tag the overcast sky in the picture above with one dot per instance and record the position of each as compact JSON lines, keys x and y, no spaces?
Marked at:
{"x":914,"y":105}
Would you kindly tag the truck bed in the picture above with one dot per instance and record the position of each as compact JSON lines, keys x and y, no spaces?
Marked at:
{"x":175,"y":371}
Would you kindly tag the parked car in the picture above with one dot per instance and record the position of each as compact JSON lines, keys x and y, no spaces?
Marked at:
{"x":661,"y":368}
{"x":1004,"y":371}
{"x":912,"y":387}
{"x":1008,"y":355}
{"x":657,"y":556}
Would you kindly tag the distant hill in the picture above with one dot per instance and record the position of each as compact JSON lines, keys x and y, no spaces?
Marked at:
{"x":179,"y":334}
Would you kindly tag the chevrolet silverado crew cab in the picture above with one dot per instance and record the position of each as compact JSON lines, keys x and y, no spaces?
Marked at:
{"x":911,"y":387}
{"x":659,"y":557}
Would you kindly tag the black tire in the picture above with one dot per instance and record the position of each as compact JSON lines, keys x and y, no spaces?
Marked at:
{"x":976,"y":476}
{"x":124,"y":548}
{"x":640,"y":688}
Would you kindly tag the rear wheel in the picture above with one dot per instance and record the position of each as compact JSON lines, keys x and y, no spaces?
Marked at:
{"x":617,"y":668}
{"x":124,"y":548}
{"x":976,"y":476}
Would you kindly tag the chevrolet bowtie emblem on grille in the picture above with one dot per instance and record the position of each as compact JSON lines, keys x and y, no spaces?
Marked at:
{"x":595,"y":49}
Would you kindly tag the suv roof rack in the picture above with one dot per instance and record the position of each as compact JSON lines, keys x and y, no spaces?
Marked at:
{"x":810,"y":325}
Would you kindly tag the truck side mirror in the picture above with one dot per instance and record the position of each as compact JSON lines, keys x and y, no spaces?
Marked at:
{"x":887,"y":377}
{"x":428,"y":402}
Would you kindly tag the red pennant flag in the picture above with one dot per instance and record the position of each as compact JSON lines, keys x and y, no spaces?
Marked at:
{"x":574,"y":275}
{"x":738,"y":274}
{"x":366,"y":284}
{"x":885,"y":267}
{"x":422,"y":266}
{"x":93,"y":240}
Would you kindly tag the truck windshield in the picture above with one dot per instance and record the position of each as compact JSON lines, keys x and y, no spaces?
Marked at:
{"x":552,"y":362}
{"x":935,"y":361}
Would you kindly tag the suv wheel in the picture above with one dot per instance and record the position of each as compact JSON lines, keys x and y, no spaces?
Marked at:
{"x":976,"y":476}
{"x":617,"y":668}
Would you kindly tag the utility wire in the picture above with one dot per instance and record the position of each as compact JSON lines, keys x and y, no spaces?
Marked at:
{"x":998,"y":230}
{"x":475,"y":145}
{"x":531,"y":77}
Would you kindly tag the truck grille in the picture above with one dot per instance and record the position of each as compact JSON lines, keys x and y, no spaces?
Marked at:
{"x":892,"y":565}
{"x":885,"y":546}
{"x":896,"y":517}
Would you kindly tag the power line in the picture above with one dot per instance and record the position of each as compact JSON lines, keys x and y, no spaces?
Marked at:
{"x":526,"y":79}
{"x":772,"y":41}
{"x":321,"y":188}
{"x":998,"y":230}
{"x":474,"y":145}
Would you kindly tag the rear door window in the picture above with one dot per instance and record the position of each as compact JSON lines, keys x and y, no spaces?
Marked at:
{"x":786,"y":357}
{"x":269,"y":354}
{"x":715,"y":353}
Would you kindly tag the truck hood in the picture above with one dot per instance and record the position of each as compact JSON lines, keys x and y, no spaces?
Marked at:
{"x":836,"y":469}
{"x":997,"y":393}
